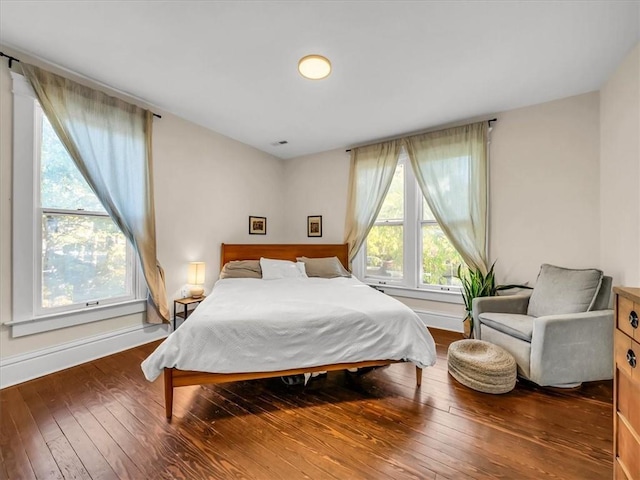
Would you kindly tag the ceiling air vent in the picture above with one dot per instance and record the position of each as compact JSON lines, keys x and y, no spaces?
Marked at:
{"x":281,"y":142}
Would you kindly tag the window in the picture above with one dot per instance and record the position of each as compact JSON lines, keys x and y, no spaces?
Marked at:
{"x":440,"y":259}
{"x":72,"y":264}
{"x":85,"y":259}
{"x":406,"y":247}
{"x":385,"y":242}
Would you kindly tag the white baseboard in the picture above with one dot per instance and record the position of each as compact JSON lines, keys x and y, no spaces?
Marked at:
{"x":443,"y":321}
{"x":20,"y":368}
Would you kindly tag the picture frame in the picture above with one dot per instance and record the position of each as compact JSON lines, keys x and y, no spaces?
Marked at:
{"x":257,"y":225}
{"x":314,"y":226}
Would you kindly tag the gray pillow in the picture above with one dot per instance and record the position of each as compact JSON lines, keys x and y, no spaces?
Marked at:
{"x":329,"y":267}
{"x":241,"y":269}
{"x":564,"y":290}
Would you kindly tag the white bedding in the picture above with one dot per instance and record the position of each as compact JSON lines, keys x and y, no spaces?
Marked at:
{"x":255,"y":325}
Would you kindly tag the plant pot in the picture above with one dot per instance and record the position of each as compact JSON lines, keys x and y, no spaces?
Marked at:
{"x":467,"y":328}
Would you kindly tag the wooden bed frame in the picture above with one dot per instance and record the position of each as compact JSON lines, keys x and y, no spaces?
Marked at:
{"x":182,"y":378}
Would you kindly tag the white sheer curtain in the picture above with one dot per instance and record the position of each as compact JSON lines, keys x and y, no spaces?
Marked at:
{"x":451,"y":168}
{"x":110,"y":142}
{"x":372,"y":169}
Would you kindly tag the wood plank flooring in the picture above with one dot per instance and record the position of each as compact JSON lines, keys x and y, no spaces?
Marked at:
{"x":103,"y":420}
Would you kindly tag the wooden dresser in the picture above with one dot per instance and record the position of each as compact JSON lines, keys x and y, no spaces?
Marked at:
{"x":626,"y":385}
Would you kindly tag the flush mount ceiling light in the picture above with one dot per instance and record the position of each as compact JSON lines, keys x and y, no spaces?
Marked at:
{"x":314,"y":67}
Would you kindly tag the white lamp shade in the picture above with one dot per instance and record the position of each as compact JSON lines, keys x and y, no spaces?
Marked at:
{"x":196,"y":273}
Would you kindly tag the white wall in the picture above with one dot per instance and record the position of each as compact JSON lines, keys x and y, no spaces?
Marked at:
{"x":316,"y":185}
{"x":206,"y":186}
{"x":544,"y":185}
{"x":620,"y":172}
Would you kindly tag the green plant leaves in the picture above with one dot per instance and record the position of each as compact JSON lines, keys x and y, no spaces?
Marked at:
{"x":476,"y":284}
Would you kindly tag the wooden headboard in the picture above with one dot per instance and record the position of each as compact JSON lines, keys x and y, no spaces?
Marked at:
{"x":283,"y":251}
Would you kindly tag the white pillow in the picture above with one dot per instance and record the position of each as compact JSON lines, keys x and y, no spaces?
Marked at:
{"x":273,"y":269}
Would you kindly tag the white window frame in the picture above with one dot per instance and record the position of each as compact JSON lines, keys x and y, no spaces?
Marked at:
{"x":28,"y":317}
{"x":411,"y":285}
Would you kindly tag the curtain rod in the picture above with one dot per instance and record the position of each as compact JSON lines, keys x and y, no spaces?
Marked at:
{"x":14,"y":59}
{"x":398,"y":138}
{"x":10,"y":58}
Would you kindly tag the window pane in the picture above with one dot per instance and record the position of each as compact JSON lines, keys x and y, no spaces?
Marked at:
{"x":393,"y":206}
{"x":384,"y":252}
{"x":61,"y":184}
{"x":439,"y":259}
{"x":84,"y":258}
{"x":426,"y":211}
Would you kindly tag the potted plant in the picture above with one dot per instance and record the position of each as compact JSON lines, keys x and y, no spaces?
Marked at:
{"x":476,"y":284}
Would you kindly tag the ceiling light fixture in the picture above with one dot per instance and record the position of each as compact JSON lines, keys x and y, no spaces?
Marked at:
{"x":314,"y":67}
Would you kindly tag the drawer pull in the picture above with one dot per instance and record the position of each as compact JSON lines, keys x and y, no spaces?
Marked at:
{"x":633,"y":319}
{"x":631,"y":358}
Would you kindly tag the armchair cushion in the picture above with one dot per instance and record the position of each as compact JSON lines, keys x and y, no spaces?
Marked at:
{"x":563,"y":290}
{"x":518,"y":326}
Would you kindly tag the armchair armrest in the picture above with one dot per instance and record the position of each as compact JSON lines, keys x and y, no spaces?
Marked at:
{"x":572,"y":348}
{"x":505,"y":304}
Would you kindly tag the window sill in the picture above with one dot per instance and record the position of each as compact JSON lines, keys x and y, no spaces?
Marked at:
{"x":45,"y":323}
{"x":420,"y":293}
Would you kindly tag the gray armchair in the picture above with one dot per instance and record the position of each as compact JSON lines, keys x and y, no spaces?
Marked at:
{"x":561,"y":335}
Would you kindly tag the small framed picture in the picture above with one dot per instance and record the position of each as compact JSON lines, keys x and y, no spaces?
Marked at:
{"x":314,"y":226}
{"x":257,"y":225}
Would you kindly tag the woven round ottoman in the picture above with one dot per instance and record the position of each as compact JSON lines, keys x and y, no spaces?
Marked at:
{"x":482,"y":366}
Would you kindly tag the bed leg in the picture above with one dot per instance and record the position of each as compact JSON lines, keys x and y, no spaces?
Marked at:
{"x":418,"y":376}
{"x":168,"y":392}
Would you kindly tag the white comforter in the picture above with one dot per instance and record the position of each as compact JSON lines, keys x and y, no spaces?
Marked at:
{"x":255,"y":325}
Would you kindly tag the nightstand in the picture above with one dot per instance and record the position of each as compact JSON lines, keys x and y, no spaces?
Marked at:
{"x":185,"y":302}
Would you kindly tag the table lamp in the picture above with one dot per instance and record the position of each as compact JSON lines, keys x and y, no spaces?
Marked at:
{"x":196,"y":278}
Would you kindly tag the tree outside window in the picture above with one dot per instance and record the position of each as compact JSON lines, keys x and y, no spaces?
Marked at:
{"x":385,"y":243}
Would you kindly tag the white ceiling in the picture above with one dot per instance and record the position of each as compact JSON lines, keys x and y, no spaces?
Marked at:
{"x":398,"y":66}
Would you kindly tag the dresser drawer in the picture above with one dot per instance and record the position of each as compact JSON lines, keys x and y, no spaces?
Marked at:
{"x":628,"y":316}
{"x":628,"y":400}
{"x":628,"y":447}
{"x":627,"y":354}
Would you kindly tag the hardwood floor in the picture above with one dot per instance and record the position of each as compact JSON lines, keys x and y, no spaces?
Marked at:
{"x":103,"y":420}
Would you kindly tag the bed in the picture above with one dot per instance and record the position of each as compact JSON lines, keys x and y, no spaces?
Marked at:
{"x":253,"y":328}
